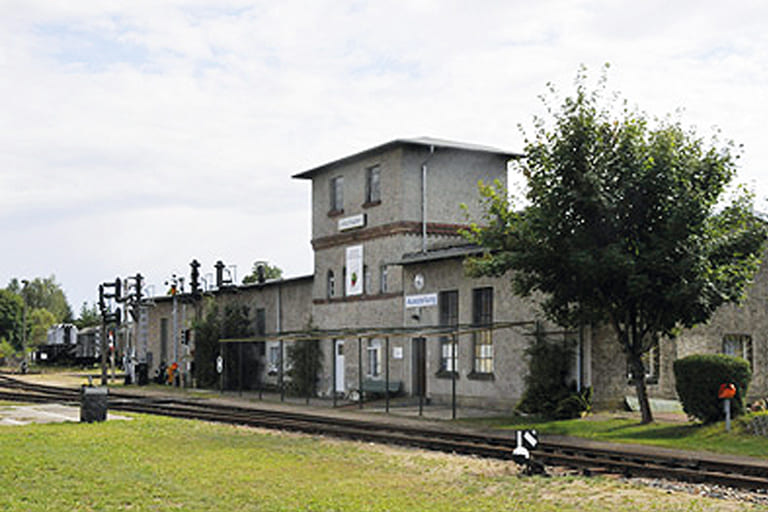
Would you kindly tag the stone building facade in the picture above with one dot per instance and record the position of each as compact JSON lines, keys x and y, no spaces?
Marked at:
{"x":388,"y":256}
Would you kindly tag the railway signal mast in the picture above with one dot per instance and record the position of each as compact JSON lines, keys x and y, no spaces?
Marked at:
{"x":133,"y":305}
{"x":107,"y":291}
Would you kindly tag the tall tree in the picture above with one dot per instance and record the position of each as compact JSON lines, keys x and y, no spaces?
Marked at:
{"x":89,"y":315}
{"x":626,"y":225}
{"x":232,"y":322}
{"x":11,"y":311}
{"x":39,"y":320}
{"x":44,"y":293}
{"x":270,"y":272}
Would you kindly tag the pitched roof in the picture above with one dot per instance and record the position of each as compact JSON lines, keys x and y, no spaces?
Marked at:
{"x":417,"y":141}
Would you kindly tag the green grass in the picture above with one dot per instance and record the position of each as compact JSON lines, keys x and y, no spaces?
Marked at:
{"x":153,"y":463}
{"x":684,"y":436}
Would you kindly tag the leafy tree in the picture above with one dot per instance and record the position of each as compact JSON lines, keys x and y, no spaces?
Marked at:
{"x":44,"y":293}
{"x":207,"y":333}
{"x":11,"y":311}
{"x":39,"y":320}
{"x":270,"y":272}
{"x":625,"y":225}
{"x":305,"y":362}
{"x":233,"y":322}
{"x":89,"y":316}
{"x":6,"y":350}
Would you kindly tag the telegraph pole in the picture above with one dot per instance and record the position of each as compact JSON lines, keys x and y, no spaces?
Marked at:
{"x":24,"y":282}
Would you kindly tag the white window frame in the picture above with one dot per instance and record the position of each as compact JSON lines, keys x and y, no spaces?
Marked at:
{"x":373,"y":351}
{"x":273,"y":362}
{"x":337,"y":194}
{"x":482,"y":340}
{"x":330,"y":284}
{"x":373,"y":184}
{"x":383,"y":274}
{"x":739,"y":345}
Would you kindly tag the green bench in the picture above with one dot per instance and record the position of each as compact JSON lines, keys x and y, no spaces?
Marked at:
{"x":379,"y":386}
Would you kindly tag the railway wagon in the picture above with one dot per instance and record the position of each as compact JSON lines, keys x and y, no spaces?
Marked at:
{"x":66,"y":344}
{"x":60,"y":344}
{"x":88,"y":349}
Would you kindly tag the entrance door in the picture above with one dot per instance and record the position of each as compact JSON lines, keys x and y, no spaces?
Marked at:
{"x":419,"y":352}
{"x":339,"y":355}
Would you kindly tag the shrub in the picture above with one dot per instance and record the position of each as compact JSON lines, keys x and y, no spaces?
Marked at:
{"x":698,"y":379}
{"x":546,"y":389}
{"x":305,"y":361}
{"x":574,"y":405}
{"x":231,"y":323}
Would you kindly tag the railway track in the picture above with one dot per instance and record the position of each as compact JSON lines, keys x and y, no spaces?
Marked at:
{"x":636,"y":461}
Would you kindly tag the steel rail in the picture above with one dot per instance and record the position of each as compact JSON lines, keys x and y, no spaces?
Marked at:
{"x":630,"y":461}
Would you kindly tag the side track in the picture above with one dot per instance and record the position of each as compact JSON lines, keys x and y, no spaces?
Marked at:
{"x":629,"y":461}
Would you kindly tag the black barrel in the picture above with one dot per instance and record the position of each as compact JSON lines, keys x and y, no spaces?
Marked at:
{"x":93,"y":403}
{"x":142,"y":374}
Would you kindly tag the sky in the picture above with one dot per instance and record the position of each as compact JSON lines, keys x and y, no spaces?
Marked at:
{"x":136,"y":136}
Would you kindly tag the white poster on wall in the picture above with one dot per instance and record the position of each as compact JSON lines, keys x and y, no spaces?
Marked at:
{"x":354,"y":282}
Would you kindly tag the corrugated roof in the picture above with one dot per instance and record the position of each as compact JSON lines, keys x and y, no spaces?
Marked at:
{"x":417,"y":141}
{"x":459,"y":251}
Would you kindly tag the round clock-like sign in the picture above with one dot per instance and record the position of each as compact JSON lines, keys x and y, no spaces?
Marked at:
{"x":418,"y":281}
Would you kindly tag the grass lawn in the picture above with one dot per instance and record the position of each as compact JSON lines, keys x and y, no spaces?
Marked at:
{"x":618,"y":429}
{"x":154,"y":463}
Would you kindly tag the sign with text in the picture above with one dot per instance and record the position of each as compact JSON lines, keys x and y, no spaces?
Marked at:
{"x":421,"y":301}
{"x":355,"y":221}
{"x":354,"y":277}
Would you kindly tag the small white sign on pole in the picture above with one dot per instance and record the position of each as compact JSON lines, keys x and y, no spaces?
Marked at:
{"x":219,"y":364}
{"x":421,"y":301}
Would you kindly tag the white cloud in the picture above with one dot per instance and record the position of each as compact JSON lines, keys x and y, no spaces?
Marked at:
{"x":128,"y":124}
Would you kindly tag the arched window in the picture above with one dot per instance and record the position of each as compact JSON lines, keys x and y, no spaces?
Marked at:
{"x":331,"y":284}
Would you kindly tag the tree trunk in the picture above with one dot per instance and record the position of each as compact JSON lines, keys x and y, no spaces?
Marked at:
{"x":638,"y":376}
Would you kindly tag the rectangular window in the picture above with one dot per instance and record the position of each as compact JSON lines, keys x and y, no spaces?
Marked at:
{"x":383,"y":278}
{"x":274,"y":359}
{"x":372,"y":185}
{"x":164,"y":340}
{"x":367,"y":285}
{"x":374,"y":358}
{"x":261,"y":322}
{"x":330,"y":285}
{"x":651,"y":363}
{"x":448,"y":303}
{"x":739,"y":345}
{"x":482,"y":315}
{"x":337,"y":194}
{"x":447,"y":354}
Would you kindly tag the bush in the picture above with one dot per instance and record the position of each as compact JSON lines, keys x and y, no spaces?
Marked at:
{"x":698,"y":379}
{"x":546,"y":389}
{"x":305,"y":361}
{"x":574,"y":405}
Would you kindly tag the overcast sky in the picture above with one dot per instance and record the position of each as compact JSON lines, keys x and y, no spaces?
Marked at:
{"x":136,"y":136}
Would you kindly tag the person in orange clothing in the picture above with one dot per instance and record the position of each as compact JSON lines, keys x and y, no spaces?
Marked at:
{"x":172,"y":372}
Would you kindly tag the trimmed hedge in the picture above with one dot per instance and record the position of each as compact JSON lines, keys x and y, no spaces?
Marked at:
{"x":698,"y":379}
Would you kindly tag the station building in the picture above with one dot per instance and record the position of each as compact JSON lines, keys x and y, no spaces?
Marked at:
{"x":388,"y":262}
